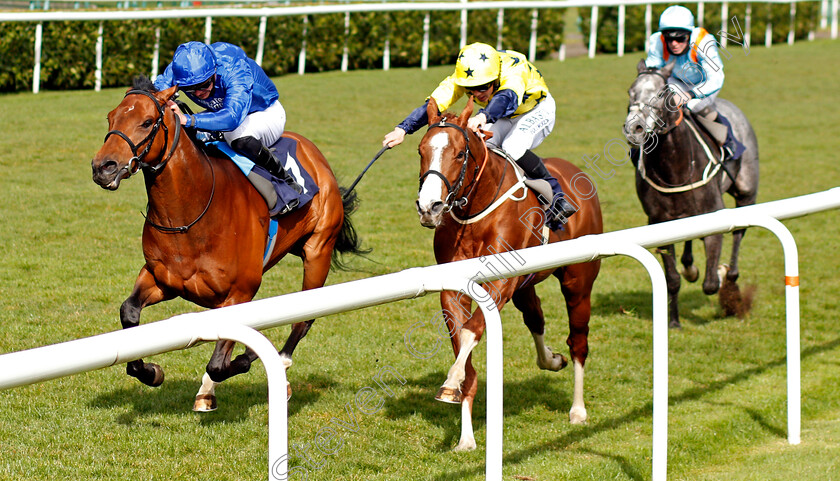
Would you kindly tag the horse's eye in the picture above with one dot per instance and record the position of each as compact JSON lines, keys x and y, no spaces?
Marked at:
{"x":148,"y":123}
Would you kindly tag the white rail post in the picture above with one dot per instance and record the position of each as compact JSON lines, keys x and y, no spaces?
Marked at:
{"x":835,"y":11}
{"x":261,"y":41}
{"x":386,"y":51}
{"x":98,"y":74}
{"x":156,"y":55}
{"x":424,"y":56}
{"x":748,"y":26}
{"x":621,"y":17}
{"x":345,"y":54}
{"x":793,"y":354}
{"x":768,"y":32}
{"x":500,"y":25}
{"x":648,"y":26}
{"x":302,"y":56}
{"x":532,"y":45}
{"x":275,"y":373}
{"x":36,"y":70}
{"x":593,"y":31}
{"x":208,"y":29}
{"x":659,"y":461}
{"x":724,"y":22}
{"x":701,"y":12}
{"x":463,"y":26}
{"x":792,"y":32}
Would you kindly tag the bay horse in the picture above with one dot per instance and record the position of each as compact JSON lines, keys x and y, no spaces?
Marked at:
{"x":206,"y":230}
{"x":461,"y":181}
{"x":677,"y":176}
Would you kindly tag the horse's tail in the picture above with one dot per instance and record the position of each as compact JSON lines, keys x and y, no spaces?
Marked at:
{"x":348,"y":241}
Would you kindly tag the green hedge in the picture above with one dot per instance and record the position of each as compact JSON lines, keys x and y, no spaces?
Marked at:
{"x":634,"y":40}
{"x":69,"y":48}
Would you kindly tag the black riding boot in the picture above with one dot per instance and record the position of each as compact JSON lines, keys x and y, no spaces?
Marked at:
{"x":254,"y":149}
{"x":561,"y":209}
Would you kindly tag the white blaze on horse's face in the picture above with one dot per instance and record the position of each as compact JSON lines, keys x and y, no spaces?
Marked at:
{"x":431,"y":195}
{"x":641,"y":120}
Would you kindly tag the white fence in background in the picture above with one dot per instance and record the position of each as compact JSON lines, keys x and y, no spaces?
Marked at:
{"x":263,"y":13}
{"x":238,"y":322}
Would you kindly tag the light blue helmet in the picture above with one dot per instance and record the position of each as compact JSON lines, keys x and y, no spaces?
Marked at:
{"x":192,"y":64}
{"x":676,"y":18}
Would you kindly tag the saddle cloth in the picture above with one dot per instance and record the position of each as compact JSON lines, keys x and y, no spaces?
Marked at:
{"x":272,"y":189}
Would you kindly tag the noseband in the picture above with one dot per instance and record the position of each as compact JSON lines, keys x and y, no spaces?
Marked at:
{"x":646,"y":108}
{"x":137,"y":160}
{"x":452,"y":190}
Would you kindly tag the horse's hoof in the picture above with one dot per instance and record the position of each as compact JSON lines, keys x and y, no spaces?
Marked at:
{"x":674,"y":325}
{"x":578,"y":416}
{"x":157,"y":378}
{"x":464,"y":446}
{"x":449,"y":395}
{"x":205,"y":403}
{"x":691,"y":273}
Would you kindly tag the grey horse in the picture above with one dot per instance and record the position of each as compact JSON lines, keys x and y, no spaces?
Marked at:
{"x":678,"y":176}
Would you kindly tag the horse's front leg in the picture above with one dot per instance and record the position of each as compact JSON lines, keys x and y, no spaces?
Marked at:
{"x":145,"y":293}
{"x":690,"y":271}
{"x":711,"y":282}
{"x":672,"y":280}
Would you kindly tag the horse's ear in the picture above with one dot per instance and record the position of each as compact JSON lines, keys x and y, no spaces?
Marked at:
{"x":641,"y":66}
{"x":164,"y":95}
{"x":666,"y":70}
{"x":432,"y":111}
{"x":467,"y":112}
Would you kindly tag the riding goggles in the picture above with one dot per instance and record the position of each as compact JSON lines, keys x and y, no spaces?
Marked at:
{"x":678,"y":36}
{"x":202,"y":86}
{"x":480,"y":88}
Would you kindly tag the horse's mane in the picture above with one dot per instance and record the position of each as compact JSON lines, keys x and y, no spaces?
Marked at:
{"x":141,"y":82}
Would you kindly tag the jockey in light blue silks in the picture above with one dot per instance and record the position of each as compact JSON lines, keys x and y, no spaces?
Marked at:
{"x":698,"y":75}
{"x":240,"y":99}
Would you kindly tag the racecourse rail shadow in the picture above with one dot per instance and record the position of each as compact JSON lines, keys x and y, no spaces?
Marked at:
{"x":639,"y":303}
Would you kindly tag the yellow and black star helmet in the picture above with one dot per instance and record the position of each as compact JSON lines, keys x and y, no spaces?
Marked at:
{"x":478,"y":64}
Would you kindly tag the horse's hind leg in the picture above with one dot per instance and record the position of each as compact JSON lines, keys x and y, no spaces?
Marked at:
{"x":527,"y":301}
{"x":219,"y":368}
{"x":317,"y":256}
{"x":690,"y":271}
{"x":145,"y":293}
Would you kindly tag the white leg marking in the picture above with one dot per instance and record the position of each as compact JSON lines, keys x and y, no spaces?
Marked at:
{"x":467,"y":442}
{"x":577,"y":415}
{"x":546,"y":359}
{"x":432,"y":189}
{"x":457,"y":372}
{"x":207,"y":386}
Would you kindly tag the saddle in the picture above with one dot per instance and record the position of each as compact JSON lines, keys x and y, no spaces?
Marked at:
{"x":280,"y":197}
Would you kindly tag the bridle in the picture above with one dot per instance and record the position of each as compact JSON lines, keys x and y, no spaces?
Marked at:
{"x":452,"y":189}
{"x":137,"y":162}
{"x":646,"y":108}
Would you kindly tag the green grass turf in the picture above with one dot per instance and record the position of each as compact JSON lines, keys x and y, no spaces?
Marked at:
{"x":71,"y":252}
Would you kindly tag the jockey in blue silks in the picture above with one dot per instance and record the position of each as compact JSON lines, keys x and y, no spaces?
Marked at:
{"x":698,"y":75}
{"x":240,"y":100}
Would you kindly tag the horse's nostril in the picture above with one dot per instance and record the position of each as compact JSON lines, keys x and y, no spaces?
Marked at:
{"x":638,"y":129}
{"x":108,"y":167}
{"x":437,"y":207}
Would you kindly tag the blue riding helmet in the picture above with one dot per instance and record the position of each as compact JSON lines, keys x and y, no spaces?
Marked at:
{"x":192,"y":64}
{"x":676,"y":18}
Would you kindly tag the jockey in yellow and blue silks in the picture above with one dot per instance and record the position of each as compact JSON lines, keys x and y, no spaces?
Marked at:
{"x":240,"y":100}
{"x":698,"y":72}
{"x":517,"y":108}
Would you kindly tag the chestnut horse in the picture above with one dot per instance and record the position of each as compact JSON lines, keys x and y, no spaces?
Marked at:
{"x":205,"y":235}
{"x":461,"y":183}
